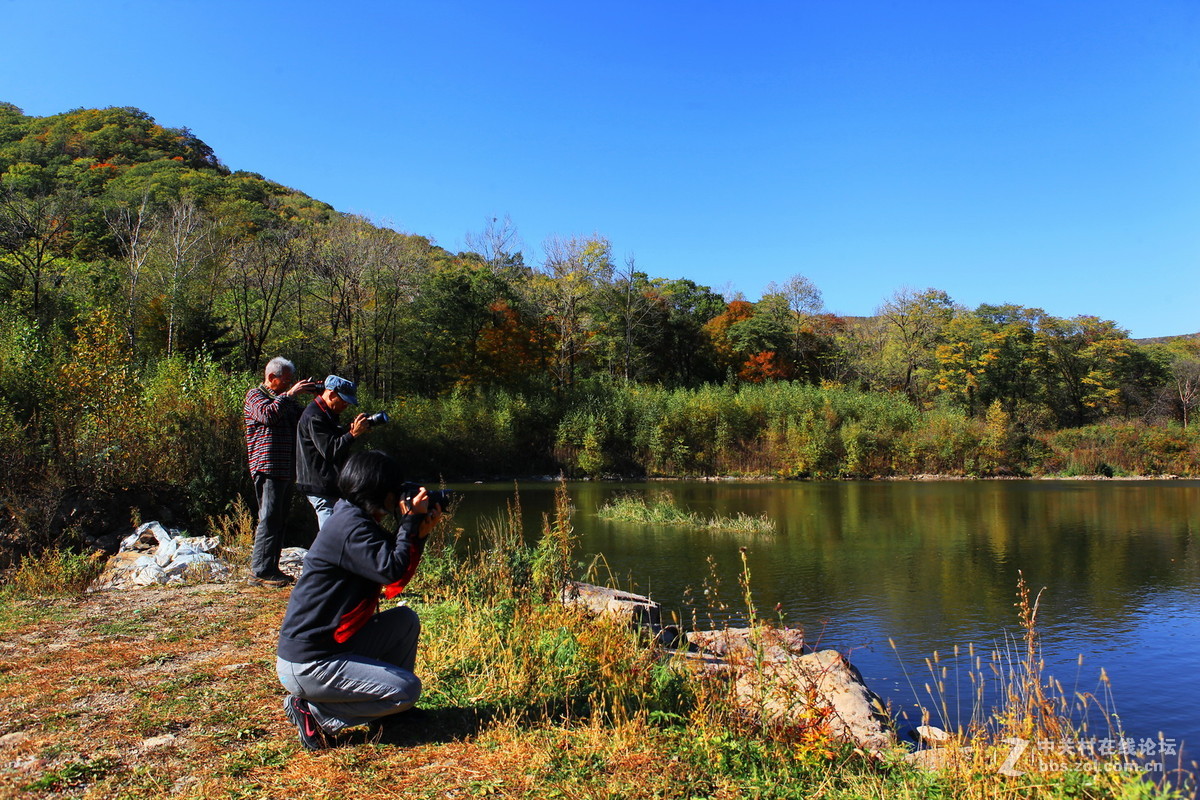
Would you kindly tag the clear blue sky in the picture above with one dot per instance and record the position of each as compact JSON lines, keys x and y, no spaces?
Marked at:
{"x":1040,"y":153}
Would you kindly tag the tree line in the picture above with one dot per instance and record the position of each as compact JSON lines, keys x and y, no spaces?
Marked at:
{"x":112,"y":225}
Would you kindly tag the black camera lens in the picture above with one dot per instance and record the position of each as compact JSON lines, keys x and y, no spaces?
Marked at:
{"x":378,"y":418}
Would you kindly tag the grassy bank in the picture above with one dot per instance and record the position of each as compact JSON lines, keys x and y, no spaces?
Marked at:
{"x":171,"y":692}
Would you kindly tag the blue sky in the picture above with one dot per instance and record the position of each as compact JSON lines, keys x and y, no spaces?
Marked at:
{"x":1045,"y":154}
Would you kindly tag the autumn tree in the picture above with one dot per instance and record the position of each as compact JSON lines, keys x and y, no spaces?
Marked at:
{"x":573,"y":273}
{"x":1185,"y":382}
{"x":36,"y":220}
{"x":805,"y":306}
{"x":259,"y":285}
{"x":134,"y":229}
{"x":913,"y":324}
{"x":630,"y":314}
{"x":455,"y":305}
{"x":186,"y":255}
{"x":394,"y":283}
{"x":341,"y":257}
{"x":498,"y":245}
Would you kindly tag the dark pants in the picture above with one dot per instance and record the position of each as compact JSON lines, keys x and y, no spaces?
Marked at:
{"x":274,"y":497}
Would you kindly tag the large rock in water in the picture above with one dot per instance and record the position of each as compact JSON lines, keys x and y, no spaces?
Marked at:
{"x":772,"y":680}
{"x":820,"y":689}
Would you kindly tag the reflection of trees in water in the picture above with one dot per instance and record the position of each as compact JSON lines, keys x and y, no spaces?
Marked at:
{"x":951,"y":550}
{"x":917,"y":555}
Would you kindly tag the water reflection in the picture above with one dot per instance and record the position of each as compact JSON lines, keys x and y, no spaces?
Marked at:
{"x":931,"y":565}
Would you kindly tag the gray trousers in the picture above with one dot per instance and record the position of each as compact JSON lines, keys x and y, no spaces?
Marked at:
{"x":374,"y":680}
{"x":274,"y":497}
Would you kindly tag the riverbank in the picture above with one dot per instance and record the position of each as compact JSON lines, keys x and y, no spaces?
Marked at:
{"x":171,"y":691}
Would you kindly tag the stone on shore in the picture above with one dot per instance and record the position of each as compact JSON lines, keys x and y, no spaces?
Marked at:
{"x":772,"y":679}
{"x":635,"y":609}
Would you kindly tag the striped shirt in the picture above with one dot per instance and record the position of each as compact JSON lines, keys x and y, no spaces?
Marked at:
{"x":271,"y":433}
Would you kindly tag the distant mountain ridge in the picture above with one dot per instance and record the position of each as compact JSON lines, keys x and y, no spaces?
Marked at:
{"x":1165,"y":339}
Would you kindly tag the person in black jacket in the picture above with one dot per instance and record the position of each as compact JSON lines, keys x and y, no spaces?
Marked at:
{"x":342,"y":661}
{"x":323,"y":444}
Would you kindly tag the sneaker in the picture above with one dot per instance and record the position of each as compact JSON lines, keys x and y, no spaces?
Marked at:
{"x":277,"y":579}
{"x":311,"y":735}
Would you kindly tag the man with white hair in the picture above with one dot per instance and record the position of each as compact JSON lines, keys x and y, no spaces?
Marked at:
{"x":271,"y":414}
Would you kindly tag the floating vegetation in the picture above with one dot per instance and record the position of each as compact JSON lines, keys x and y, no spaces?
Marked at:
{"x":661,"y":509}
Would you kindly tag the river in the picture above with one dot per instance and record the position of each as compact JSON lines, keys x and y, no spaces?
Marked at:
{"x":890,"y":573}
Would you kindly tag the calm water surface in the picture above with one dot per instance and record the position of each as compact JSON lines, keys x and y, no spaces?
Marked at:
{"x":932,"y":565}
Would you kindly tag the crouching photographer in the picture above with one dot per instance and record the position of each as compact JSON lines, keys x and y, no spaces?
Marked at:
{"x":342,"y":661}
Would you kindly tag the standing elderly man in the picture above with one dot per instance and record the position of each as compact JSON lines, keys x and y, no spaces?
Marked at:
{"x":323,"y":444}
{"x":271,"y":413}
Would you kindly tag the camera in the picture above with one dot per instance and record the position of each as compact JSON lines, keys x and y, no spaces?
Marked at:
{"x":378,"y":418}
{"x":438,"y":498}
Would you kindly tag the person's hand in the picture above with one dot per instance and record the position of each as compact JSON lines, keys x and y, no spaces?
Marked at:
{"x":359,"y":426}
{"x":418,"y":504}
{"x":429,"y":523}
{"x":307,"y":385}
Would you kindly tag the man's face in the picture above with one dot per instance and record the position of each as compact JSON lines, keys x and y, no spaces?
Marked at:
{"x":281,"y":382}
{"x":335,"y":402}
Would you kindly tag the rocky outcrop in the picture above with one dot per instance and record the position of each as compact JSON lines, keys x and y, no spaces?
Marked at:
{"x":772,"y":679}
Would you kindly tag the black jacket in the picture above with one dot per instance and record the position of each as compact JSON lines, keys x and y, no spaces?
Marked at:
{"x":322,"y":447}
{"x":352,"y":559}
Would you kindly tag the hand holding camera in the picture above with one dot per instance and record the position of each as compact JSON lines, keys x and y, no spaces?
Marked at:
{"x":306,"y":385}
{"x":437,"y":499}
{"x":415,"y":499}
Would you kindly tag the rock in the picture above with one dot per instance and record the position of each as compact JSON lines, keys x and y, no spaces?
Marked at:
{"x":153,"y":555}
{"x":189,"y":545}
{"x":820,"y":687}
{"x":167,"y":547}
{"x":146,"y":537}
{"x":156,"y":742}
{"x":740,"y":644}
{"x":13,"y":739}
{"x":291,"y":561}
{"x":635,"y":609}
{"x":931,"y":735}
{"x":772,"y":680}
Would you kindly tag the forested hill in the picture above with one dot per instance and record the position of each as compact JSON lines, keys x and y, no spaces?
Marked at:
{"x":104,"y":209}
{"x":142,"y":283}
{"x":114,"y":156}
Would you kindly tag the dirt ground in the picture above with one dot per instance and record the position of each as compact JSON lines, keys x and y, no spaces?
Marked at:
{"x":134,"y":680}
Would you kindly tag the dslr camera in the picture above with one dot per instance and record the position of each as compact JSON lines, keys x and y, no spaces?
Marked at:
{"x":378,"y":418}
{"x":438,"y":498}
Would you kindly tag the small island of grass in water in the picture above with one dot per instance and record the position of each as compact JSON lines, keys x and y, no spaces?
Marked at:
{"x":660,"y":509}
